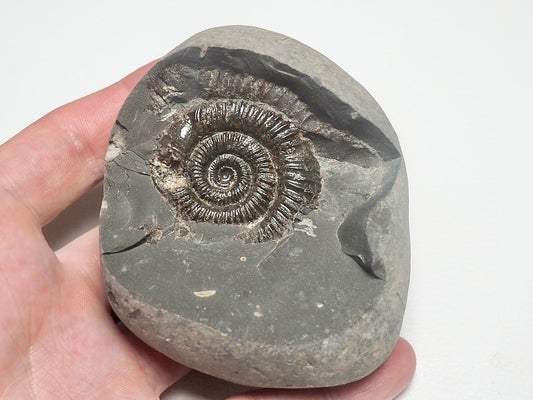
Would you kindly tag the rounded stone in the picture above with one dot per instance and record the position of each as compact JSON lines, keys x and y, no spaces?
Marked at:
{"x":254,"y":223}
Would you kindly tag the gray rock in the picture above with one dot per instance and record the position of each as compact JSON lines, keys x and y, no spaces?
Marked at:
{"x":254,"y":222}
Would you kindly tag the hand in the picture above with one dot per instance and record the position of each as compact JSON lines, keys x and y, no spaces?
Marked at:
{"x":58,"y":339}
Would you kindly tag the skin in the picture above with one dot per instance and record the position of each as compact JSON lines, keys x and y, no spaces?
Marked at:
{"x":57,"y":333}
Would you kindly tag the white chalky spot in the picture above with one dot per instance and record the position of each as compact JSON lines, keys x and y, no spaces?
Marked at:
{"x":306,"y":225}
{"x":112,"y":152}
{"x":205,"y":293}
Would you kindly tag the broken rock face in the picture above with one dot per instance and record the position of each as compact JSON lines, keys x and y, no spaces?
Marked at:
{"x":254,"y":221}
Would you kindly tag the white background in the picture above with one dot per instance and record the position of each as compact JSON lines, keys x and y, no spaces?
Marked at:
{"x":456,"y":80}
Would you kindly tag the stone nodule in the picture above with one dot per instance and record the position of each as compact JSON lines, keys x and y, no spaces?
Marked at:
{"x":254,"y":223}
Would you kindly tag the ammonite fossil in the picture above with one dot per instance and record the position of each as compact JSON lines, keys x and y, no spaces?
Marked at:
{"x":254,"y":221}
{"x":235,"y":162}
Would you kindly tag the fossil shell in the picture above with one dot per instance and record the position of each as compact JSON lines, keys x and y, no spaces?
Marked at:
{"x":254,"y":222}
{"x":235,"y":162}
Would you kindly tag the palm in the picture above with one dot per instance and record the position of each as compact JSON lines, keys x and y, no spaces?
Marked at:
{"x":57,"y":336}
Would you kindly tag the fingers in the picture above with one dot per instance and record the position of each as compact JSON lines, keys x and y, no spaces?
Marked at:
{"x":56,"y":159}
{"x":389,"y":380}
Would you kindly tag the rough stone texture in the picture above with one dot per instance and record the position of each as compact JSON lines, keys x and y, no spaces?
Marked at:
{"x":300,"y":291}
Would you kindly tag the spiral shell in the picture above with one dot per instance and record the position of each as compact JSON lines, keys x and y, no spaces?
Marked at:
{"x":230,"y":161}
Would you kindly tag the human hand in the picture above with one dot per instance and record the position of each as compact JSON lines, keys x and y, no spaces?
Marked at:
{"x":57,"y":334}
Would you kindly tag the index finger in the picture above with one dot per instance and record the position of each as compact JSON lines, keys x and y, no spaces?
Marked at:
{"x":52,"y":162}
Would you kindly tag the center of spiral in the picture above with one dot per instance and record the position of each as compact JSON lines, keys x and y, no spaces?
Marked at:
{"x":225,"y":171}
{"x":220,"y":168}
{"x":226,"y":174}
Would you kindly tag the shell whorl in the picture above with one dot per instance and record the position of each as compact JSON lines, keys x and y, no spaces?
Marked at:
{"x":229,"y":161}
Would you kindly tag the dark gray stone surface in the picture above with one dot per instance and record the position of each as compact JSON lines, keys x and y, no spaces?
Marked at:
{"x":280,"y":262}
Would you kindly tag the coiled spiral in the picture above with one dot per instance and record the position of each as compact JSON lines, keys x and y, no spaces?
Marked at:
{"x":237,"y":162}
